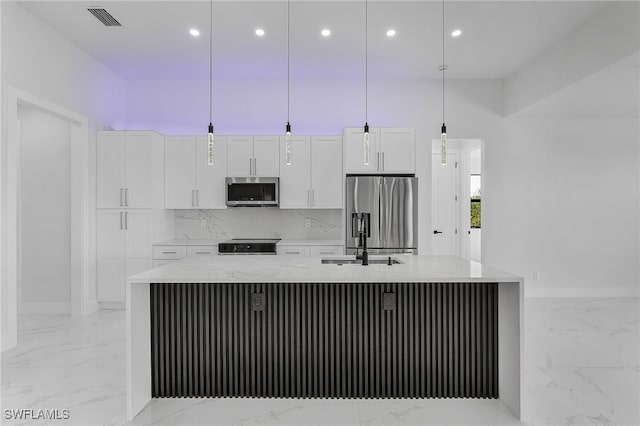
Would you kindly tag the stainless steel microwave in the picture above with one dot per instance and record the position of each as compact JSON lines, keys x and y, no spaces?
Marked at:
{"x":252,"y":191}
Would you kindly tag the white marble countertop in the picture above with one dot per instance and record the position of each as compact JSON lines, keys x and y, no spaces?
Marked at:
{"x":265,"y":269}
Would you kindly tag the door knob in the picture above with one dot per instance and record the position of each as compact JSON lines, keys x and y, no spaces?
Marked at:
{"x":435,"y":231}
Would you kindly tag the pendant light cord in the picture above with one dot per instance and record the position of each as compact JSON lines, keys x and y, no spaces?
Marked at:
{"x":288,"y":57}
{"x":366,"y":61}
{"x":444,"y":67}
{"x":211,"y":62}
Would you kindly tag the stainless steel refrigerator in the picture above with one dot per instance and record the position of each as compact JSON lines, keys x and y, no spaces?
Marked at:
{"x":392,"y":202}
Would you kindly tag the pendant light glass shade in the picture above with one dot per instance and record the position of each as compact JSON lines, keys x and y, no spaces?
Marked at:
{"x":210,"y":153}
{"x":365,"y":147}
{"x":287,"y":144}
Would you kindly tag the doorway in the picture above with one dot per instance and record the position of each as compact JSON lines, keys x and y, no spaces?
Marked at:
{"x":82,"y":286}
{"x":44,"y":211}
{"x":456,"y":199}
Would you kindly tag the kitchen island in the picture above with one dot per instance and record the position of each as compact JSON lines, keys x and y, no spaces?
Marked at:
{"x":275,"y":326}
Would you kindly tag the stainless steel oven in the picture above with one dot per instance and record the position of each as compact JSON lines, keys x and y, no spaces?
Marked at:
{"x":252,"y":191}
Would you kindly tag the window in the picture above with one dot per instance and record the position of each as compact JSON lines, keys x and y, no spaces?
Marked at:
{"x":475,"y":189}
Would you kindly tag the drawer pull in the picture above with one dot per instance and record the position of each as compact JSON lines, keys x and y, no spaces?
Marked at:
{"x":292,"y":252}
{"x":169,"y":252}
{"x":326,"y":252}
{"x":203,"y":252}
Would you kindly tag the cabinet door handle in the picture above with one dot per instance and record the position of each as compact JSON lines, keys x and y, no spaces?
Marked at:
{"x":250,"y":166}
{"x":197,"y":198}
{"x":313,"y":198}
{"x":126,"y":220}
{"x":121,"y":226}
{"x":193,"y":198}
{"x":382,"y":161}
{"x":203,"y":252}
{"x":308,"y":197}
{"x":326,"y":252}
{"x":169,"y":252}
{"x":126,"y":197}
{"x":292,"y":252}
{"x":121,"y":197}
{"x":255,"y":166}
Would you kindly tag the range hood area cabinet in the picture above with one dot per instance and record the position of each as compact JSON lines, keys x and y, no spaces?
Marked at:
{"x":129,"y":169}
{"x":391,"y":151}
{"x":190,"y":182}
{"x":313,"y":180}
{"x":253,"y":156}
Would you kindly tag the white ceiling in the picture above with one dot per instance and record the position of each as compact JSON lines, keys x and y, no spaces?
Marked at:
{"x":154,"y":43}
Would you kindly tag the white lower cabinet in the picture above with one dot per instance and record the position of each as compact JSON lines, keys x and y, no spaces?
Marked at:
{"x":310,"y":250}
{"x":124,"y":238}
{"x":167,"y":253}
{"x":293,"y":250}
{"x":326,"y":250}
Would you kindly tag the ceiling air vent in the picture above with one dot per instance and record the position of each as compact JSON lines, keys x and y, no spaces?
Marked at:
{"x":105,"y":17}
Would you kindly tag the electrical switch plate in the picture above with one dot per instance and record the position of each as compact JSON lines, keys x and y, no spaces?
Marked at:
{"x":388,"y":301}
{"x":257,"y":301}
{"x":203,"y":223}
{"x":307,"y":223}
{"x":536,"y":275}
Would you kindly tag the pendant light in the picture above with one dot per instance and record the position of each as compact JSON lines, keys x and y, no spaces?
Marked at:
{"x":210,"y":157}
{"x":365,"y":148}
{"x":443,"y":130}
{"x":287,"y":134}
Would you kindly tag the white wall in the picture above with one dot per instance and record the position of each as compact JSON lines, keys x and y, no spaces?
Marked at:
{"x":45,"y":201}
{"x":38,"y":60}
{"x":562,"y":200}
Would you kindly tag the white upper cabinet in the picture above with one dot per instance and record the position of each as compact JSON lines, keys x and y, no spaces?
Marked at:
{"x":253,"y":156}
{"x":129,"y":170}
{"x":314,"y":177}
{"x":391,"y":151}
{"x":210,"y":178}
{"x":190,"y":182}
{"x":397,"y":150}
{"x":240,"y":156}
{"x":326,"y":172}
{"x":180,"y":176}
{"x":295,"y":179}
{"x":266,"y":156}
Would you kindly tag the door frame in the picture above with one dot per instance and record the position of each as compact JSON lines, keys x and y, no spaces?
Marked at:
{"x":461,"y":147}
{"x":80,"y":227}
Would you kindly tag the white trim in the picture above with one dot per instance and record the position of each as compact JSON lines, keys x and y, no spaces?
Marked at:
{"x":80,"y":232}
{"x":44,"y":308}
{"x":602,"y":292}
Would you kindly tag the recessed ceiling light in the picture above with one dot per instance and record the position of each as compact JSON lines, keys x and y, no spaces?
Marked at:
{"x":456,"y":33}
{"x":326,"y":32}
{"x":194,"y":32}
{"x":259,"y":32}
{"x":391,"y":33}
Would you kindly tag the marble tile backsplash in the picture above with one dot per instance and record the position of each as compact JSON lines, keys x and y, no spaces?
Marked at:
{"x":258,"y":222}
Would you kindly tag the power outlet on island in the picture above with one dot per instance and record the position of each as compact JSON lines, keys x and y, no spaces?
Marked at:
{"x":203,"y":223}
{"x":307,"y":223}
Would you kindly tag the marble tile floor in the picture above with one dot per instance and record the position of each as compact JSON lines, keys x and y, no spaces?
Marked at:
{"x":582,"y":367}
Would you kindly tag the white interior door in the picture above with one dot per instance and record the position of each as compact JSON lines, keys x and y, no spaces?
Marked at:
{"x":444,"y":206}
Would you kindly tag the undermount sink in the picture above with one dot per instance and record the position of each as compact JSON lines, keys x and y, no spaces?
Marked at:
{"x":377,"y":261}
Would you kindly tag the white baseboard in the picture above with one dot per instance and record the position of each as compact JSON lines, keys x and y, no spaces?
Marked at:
{"x":44,"y":308}
{"x":583,"y":292}
{"x":111,"y":305}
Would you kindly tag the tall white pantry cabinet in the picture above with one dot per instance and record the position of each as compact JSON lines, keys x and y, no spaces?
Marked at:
{"x":130,"y":201}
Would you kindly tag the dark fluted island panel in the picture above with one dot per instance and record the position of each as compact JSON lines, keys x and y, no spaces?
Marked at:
{"x":340,"y":340}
